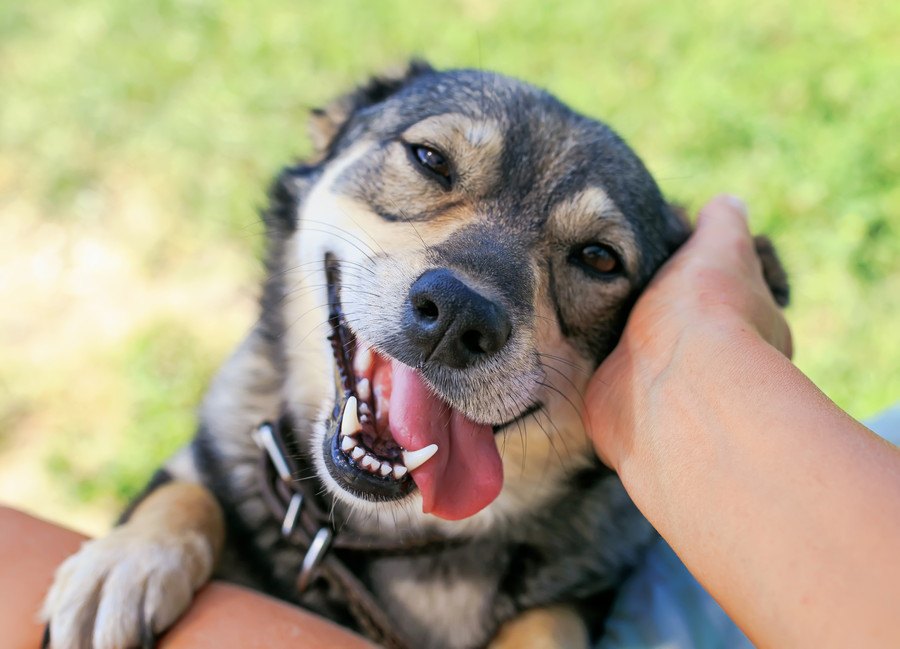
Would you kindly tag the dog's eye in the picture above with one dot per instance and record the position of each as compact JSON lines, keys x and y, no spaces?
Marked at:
{"x":433,"y":161}
{"x":597,"y":259}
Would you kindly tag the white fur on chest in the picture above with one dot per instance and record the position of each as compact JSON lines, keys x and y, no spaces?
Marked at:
{"x":452,"y":610}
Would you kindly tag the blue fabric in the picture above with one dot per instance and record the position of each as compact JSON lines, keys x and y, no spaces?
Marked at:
{"x":662,"y":606}
{"x":887,"y":424}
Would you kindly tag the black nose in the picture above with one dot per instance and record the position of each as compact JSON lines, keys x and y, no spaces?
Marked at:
{"x":451,"y":324}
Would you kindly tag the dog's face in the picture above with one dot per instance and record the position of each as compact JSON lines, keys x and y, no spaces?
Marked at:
{"x":463,"y":255}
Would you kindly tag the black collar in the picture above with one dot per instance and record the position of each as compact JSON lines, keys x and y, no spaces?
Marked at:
{"x":306,"y":524}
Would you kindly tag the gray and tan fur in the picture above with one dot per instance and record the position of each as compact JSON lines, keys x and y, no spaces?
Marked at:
{"x":532,"y":183}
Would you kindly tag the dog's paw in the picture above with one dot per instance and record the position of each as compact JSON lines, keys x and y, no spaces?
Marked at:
{"x":123,"y":589}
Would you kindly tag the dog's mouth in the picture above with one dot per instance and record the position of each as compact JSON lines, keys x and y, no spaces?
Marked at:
{"x":391,"y":434}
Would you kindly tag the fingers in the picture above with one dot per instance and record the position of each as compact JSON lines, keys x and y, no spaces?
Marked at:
{"x":722,"y":230}
{"x":724,"y":205}
{"x":724,"y":238}
{"x":723,"y":215}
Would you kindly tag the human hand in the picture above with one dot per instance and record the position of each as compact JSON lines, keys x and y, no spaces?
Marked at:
{"x":712,"y":292}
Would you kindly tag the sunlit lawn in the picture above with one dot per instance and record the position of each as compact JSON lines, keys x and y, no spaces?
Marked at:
{"x":136,"y":139}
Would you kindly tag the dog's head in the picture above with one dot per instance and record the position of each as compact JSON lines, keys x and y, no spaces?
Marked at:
{"x":451,"y":268}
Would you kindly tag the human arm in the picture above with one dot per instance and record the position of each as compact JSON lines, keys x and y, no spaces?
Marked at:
{"x":785,"y":509}
{"x":223,"y":616}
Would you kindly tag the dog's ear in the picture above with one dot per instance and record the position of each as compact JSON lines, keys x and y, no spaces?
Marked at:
{"x":773,"y":271}
{"x":680,"y":228}
{"x":326,"y":124}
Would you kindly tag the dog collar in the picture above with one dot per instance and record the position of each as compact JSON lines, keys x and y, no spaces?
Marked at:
{"x":305,"y":524}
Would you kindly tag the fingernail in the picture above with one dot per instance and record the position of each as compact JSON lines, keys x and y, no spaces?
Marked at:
{"x":737,"y":204}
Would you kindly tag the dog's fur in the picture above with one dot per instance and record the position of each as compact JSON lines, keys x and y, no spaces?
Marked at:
{"x":532,"y":183}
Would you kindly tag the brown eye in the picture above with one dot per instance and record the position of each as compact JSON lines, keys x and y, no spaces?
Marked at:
{"x":597,"y":259}
{"x":433,"y":161}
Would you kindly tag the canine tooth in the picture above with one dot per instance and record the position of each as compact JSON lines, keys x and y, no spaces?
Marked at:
{"x":357,"y":453}
{"x":414,"y":459}
{"x":385,"y":468}
{"x":348,"y":443}
{"x":363,"y":360}
{"x":350,"y":420}
{"x":364,"y":389}
{"x":399,"y":471}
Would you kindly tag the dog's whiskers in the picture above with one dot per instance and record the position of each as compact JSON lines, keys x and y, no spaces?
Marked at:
{"x":349,"y":233}
{"x":568,"y":379}
{"x":559,"y":359}
{"x":346,"y":240}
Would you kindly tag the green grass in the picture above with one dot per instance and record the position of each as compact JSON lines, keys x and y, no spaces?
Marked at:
{"x":165,"y":369}
{"x":153,"y":127}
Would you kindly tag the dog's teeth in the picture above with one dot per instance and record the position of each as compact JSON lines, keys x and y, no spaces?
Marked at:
{"x":364,"y":389}
{"x":348,"y":443}
{"x":364,"y":419}
{"x":350,"y":420}
{"x":371,"y":463}
{"x":399,"y":471}
{"x":385,"y":468}
{"x":414,"y":459}
{"x":364,"y":409}
{"x":357,"y":453}
{"x":363,"y":361}
{"x":382,"y":407}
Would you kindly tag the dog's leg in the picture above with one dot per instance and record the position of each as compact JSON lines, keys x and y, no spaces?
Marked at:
{"x":553,"y":627}
{"x":124,"y":588}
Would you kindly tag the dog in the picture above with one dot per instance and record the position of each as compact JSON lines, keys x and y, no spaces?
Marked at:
{"x":398,"y":443}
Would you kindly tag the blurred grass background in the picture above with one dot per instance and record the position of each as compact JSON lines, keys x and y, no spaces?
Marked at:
{"x":136,"y":140}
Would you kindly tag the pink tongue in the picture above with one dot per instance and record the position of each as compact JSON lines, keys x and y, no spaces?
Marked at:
{"x":466,"y":473}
